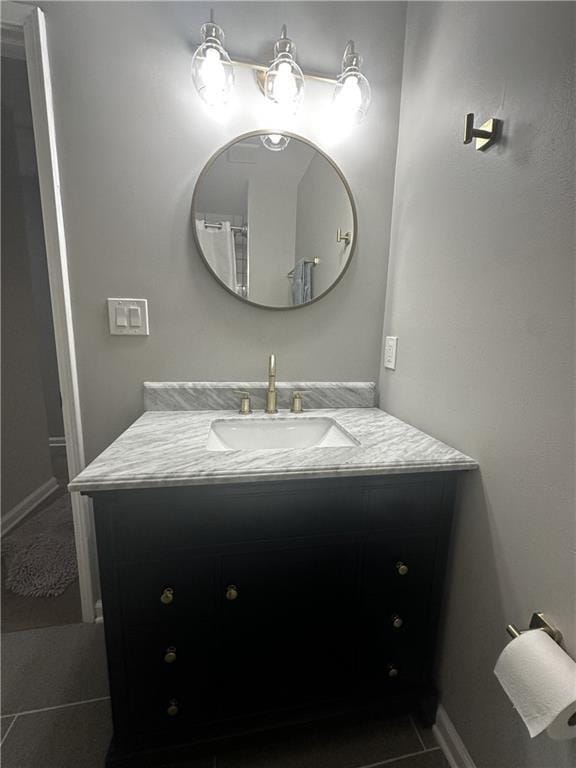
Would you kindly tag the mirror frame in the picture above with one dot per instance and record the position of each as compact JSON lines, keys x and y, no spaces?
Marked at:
{"x":205,"y":171}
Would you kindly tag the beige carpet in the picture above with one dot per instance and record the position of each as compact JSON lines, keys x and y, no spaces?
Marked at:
{"x":40,"y":556}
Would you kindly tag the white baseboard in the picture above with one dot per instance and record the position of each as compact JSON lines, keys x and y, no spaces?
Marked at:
{"x":98,"y":614}
{"x":450,"y":742}
{"x":57,"y":442}
{"x":27,"y":505}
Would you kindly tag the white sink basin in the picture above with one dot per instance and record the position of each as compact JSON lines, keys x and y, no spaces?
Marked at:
{"x":276,"y":434}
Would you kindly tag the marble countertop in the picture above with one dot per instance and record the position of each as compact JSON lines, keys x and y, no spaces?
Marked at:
{"x":168,"y":448}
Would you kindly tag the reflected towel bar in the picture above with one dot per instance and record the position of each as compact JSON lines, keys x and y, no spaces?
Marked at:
{"x":313,"y":261}
{"x":243,"y":229}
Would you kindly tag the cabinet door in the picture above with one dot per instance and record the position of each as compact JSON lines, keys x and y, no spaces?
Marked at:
{"x":290,"y":621}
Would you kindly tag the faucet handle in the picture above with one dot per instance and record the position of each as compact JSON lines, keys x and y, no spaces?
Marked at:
{"x":296,"y":406}
{"x":245,"y":404}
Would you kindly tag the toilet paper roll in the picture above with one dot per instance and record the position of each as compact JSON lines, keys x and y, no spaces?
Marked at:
{"x":540,"y":680}
{"x":564,"y":726}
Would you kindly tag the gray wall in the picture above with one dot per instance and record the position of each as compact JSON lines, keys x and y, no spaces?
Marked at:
{"x":323,"y":207}
{"x":480,"y":293}
{"x":133,"y":137}
{"x":15,"y":96}
{"x":25,"y":454}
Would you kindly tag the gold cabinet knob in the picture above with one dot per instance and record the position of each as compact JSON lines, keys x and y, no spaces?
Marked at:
{"x":397,"y":621}
{"x":392,"y":670}
{"x":231,"y":592}
{"x":172,"y":709}
{"x":167,"y":596}
{"x":401,"y":568}
{"x":170,"y":655}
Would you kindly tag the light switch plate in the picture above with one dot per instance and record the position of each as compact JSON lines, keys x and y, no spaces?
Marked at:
{"x":128,"y":317}
{"x":390,"y":348}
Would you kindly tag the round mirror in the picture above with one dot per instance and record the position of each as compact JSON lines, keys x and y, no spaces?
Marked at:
{"x":274,"y":220}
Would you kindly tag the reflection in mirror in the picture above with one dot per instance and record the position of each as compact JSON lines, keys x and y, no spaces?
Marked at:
{"x":274,"y":220}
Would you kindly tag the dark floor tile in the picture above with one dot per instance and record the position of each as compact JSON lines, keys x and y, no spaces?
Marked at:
{"x":4,"y":725}
{"x":49,"y":667}
{"x":60,"y":738}
{"x":433,"y":759}
{"x":194,"y":762}
{"x":336,"y":746}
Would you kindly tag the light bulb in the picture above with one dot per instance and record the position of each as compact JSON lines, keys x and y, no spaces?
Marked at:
{"x":350,"y":97}
{"x":284,"y":87}
{"x":352,"y":94}
{"x":284,"y":81}
{"x":212,"y":69}
{"x":275,"y":142}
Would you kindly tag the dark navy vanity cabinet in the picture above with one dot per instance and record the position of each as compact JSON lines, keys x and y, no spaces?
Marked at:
{"x":234,"y":608}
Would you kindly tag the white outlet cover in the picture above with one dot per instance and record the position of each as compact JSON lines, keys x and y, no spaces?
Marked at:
{"x":390,"y":349}
{"x":128,"y":317}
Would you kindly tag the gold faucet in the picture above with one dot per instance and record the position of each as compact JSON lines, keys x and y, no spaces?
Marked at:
{"x":271,"y":394}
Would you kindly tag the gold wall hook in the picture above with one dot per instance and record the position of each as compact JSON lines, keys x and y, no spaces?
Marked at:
{"x":486,"y":135}
{"x":343,"y":237}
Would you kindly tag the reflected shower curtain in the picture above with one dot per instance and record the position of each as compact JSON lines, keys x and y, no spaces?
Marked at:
{"x":302,"y":282}
{"x":218,"y":247}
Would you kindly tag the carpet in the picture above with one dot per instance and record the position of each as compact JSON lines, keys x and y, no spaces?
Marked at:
{"x":40,"y":555}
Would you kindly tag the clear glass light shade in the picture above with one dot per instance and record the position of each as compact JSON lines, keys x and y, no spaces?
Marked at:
{"x":352,"y":94}
{"x":275,"y":142}
{"x":212,"y":70}
{"x":284,"y":81}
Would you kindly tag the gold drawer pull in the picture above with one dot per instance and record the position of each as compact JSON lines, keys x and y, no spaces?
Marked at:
{"x":397,"y":621}
{"x":172,"y":710}
{"x":167,"y":596}
{"x":392,"y":670}
{"x":170,"y":655}
{"x":231,"y":592}
{"x":401,"y":568}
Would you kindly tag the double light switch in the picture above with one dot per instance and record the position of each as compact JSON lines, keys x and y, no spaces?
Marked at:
{"x":128,"y":317}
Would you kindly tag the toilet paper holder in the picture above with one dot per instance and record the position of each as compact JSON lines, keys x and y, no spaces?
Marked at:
{"x":538,"y":621}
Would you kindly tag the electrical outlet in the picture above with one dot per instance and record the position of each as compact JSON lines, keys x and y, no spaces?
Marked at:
{"x":390,"y":348}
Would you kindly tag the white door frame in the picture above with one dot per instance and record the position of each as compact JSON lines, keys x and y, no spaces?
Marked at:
{"x":33,"y":23}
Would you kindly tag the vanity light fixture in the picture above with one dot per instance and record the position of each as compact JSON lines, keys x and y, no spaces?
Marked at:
{"x":275,"y":142}
{"x":212,"y":69}
{"x":352,"y":94}
{"x":284,"y":81}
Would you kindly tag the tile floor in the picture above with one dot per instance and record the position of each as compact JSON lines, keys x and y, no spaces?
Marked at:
{"x":56,"y":714}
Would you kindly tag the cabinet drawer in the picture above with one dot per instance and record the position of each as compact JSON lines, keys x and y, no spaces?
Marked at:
{"x":150,"y":523}
{"x":169,"y":653}
{"x":392,"y":666}
{"x":168,"y":591}
{"x":405,"y":505}
{"x":398,"y":569}
{"x":163,"y":710}
{"x":305,"y":580}
{"x":398,"y":621}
